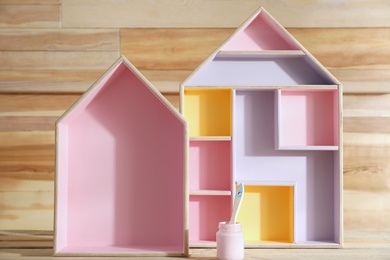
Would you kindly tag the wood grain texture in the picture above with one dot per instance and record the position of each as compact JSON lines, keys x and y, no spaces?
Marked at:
{"x":29,"y":16}
{"x":47,"y":81}
{"x":27,"y":174}
{"x":366,"y":161}
{"x":27,"y":210}
{"x":28,"y":104}
{"x":364,"y":81}
{"x":78,"y":81}
{"x":28,"y":2}
{"x":44,"y":60}
{"x":59,"y":40}
{"x":219,"y":13}
{"x":328,"y":14}
{"x":170,"y":49}
{"x":352,"y":48}
{"x":155,"y":14}
{"x":36,"y":155}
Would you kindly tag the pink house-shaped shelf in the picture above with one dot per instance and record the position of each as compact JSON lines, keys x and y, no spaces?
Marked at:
{"x":121,"y":158}
{"x":263,"y":111}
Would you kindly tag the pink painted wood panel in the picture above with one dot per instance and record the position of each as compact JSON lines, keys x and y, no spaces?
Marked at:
{"x":210,"y":165}
{"x":260,"y":34}
{"x":205,"y":214}
{"x":308,"y":118}
{"x":121,"y":171}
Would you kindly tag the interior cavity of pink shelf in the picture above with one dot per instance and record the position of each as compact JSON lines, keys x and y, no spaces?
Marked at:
{"x":210,"y":165}
{"x":317,"y":174}
{"x":205,"y":214}
{"x":252,"y":70}
{"x":308,"y":119}
{"x":110,"y":197}
{"x":260,"y":34}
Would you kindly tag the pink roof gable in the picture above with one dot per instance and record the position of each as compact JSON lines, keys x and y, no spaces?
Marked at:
{"x":260,"y":32}
{"x":121,"y":64}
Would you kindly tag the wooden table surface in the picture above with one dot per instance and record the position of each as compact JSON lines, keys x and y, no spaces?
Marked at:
{"x":358,"y":245}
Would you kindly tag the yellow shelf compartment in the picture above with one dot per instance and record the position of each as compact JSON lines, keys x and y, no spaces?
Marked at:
{"x":267,"y":215}
{"x":208,"y":111}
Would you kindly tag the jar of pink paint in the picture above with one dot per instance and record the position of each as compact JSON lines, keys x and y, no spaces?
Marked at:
{"x":230,"y":241}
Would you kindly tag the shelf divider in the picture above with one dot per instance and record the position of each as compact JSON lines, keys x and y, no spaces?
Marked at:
{"x":211,"y":192}
{"x":260,"y":54}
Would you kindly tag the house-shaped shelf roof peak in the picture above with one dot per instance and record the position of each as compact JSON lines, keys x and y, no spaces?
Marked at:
{"x":121,"y":66}
{"x":260,"y":33}
{"x":260,"y":53}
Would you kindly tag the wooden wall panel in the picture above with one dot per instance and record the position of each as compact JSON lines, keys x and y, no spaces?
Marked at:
{"x":320,"y":13}
{"x":352,"y":48}
{"x":51,"y":51}
{"x":363,"y":80}
{"x":31,"y":159}
{"x":26,"y":186}
{"x":155,"y":14}
{"x":26,"y":105}
{"x":27,"y":210}
{"x":41,"y":60}
{"x":222,"y":13}
{"x":27,"y":2}
{"x":59,"y":40}
{"x":29,"y":16}
{"x":170,"y":49}
{"x":47,"y":81}
{"x":366,"y":161}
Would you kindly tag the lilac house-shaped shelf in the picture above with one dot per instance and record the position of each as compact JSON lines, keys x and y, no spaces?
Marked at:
{"x":263,"y":111}
{"x":120,"y":164}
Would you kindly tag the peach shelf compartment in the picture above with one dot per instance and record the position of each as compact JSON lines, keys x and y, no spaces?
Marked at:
{"x":267,"y":214}
{"x":204,"y":215}
{"x":110,"y":198}
{"x":254,"y":70}
{"x":307,"y":119}
{"x":255,"y":160}
{"x":210,"y":165}
{"x":208,"y":111}
{"x":261,"y":34}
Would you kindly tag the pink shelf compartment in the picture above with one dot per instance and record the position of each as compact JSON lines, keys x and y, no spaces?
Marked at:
{"x":307,"y":119}
{"x":110,"y":198}
{"x":210,"y":165}
{"x":205,"y":214}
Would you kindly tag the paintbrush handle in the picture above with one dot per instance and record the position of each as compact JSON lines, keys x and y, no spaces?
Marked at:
{"x":237,"y":203}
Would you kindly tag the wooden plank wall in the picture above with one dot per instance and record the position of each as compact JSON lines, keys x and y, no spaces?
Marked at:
{"x":51,"y":51}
